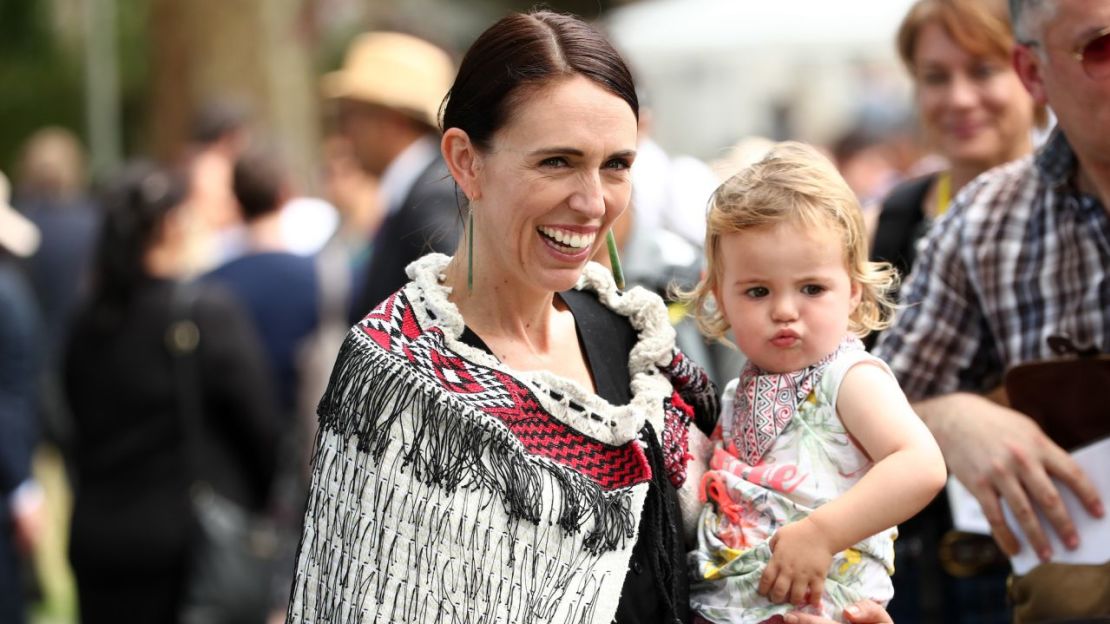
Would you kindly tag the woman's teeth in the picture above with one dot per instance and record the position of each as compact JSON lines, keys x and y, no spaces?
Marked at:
{"x":571,"y":240}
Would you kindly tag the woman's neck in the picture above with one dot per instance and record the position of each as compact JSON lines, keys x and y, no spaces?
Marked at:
{"x":961,"y":175}
{"x":163,"y":261}
{"x":498,"y":308}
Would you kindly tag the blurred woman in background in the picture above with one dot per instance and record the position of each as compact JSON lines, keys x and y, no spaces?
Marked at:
{"x":974,"y":111}
{"x":132,"y":516}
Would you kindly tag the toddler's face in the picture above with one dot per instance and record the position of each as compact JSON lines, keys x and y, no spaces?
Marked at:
{"x":786,"y":292}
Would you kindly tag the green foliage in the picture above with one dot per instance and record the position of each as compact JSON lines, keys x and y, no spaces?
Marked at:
{"x":43,"y":77}
{"x":41,"y":85}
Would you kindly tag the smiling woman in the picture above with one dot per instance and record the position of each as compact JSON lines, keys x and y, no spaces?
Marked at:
{"x":542,"y":192}
{"x":973,"y":108}
{"x":506,"y":438}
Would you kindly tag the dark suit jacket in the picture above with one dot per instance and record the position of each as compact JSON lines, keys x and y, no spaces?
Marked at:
{"x":18,"y":326}
{"x":430,"y":219}
{"x":17,"y":373}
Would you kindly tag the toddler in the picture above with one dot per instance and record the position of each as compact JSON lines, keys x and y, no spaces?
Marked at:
{"x":817,"y":455}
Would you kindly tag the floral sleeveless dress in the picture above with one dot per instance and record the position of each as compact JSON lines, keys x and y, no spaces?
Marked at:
{"x":812,"y":461}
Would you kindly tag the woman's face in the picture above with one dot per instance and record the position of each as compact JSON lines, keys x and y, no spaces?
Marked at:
{"x":974,"y":108}
{"x":554,"y":179}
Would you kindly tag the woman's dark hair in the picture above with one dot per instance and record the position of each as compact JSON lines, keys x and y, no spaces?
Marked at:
{"x":521,"y":53}
{"x":135,"y":206}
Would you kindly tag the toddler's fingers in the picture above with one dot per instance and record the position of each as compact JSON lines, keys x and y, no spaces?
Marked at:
{"x":767,"y":580}
{"x":798,"y":592}
{"x":781,"y":589}
{"x":816,"y":590}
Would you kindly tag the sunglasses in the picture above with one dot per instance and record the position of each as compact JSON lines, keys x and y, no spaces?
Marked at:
{"x":1093,"y":54}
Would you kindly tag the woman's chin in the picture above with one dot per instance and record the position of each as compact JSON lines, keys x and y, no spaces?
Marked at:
{"x":976,"y":154}
{"x":557,"y":279}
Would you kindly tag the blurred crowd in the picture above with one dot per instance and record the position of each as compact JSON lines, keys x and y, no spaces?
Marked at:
{"x":173,"y":325}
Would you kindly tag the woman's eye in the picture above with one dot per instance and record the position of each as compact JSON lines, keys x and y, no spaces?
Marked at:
{"x":757,"y":291}
{"x":618,"y":164}
{"x":812,"y":289}
{"x":554,"y":161}
{"x":983,"y":71}
{"x":934,"y":79}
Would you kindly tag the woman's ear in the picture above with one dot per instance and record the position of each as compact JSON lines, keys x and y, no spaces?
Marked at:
{"x":463,"y":161}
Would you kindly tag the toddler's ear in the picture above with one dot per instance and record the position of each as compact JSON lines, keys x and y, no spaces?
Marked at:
{"x":856,"y":295}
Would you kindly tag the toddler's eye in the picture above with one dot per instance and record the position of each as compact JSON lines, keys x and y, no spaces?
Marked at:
{"x":812,"y":289}
{"x":756,"y":292}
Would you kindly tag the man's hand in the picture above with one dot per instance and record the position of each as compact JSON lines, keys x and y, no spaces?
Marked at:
{"x":998,"y":452}
{"x":862,"y":612}
{"x":800,"y":559}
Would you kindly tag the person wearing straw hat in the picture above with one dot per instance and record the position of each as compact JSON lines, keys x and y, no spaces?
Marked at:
{"x":387,"y":94}
{"x":20,"y":498}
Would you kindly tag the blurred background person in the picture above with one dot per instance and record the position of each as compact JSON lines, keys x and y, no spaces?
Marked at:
{"x":973,"y":109}
{"x":670,"y":192}
{"x":21,"y":513}
{"x":387,"y":96}
{"x":219,"y":133}
{"x":862,"y":156}
{"x":356,"y":196}
{"x":51,"y":190}
{"x":976,"y":114}
{"x":280,"y":290}
{"x":276,"y":287}
{"x":132,"y":517}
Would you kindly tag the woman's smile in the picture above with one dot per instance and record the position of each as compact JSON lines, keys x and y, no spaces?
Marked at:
{"x":566,"y":241}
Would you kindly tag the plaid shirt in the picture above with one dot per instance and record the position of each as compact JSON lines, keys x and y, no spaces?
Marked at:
{"x":1020,"y":256}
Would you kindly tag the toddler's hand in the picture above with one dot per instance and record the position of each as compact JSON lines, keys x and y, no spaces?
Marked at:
{"x":800,"y":559}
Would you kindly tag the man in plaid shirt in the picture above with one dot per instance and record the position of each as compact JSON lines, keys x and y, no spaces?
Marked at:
{"x":1024,"y":253}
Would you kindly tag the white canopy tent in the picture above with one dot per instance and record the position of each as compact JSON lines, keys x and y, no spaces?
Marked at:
{"x":715,"y":71}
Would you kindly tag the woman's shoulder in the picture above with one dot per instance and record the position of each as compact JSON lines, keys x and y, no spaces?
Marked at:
{"x":212,"y":298}
{"x":214,"y":308}
{"x":907,"y":197}
{"x":642,"y":309}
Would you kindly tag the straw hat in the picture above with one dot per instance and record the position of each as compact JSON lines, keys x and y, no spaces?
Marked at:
{"x":394,"y":70}
{"x":17,"y":234}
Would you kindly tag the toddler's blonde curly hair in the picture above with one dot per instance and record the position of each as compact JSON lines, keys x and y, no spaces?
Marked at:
{"x":793,"y":183}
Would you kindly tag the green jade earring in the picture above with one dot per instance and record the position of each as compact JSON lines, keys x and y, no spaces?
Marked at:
{"x":470,"y":249}
{"x":615,"y":260}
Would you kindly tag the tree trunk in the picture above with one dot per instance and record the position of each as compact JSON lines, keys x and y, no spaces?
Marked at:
{"x":257,"y":52}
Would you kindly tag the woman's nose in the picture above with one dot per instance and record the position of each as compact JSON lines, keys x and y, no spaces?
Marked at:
{"x":962,"y":92}
{"x":589,"y":197}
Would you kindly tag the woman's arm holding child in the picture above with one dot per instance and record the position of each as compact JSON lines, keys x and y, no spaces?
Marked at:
{"x":908,"y":472}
